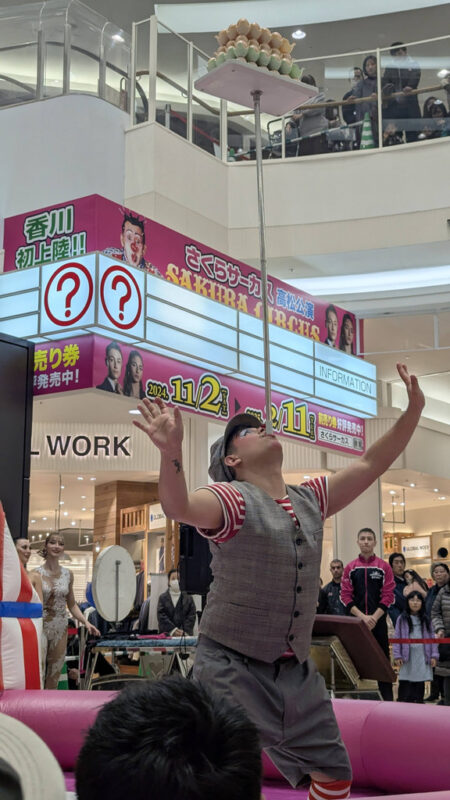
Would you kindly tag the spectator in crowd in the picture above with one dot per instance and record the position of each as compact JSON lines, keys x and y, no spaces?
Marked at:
{"x":368,"y":591}
{"x":415,"y":660}
{"x":391,"y":134}
{"x":367,"y":87}
{"x":414,"y":583}
{"x":176,"y":609}
{"x":440,"y":574}
{"x":333,"y":115}
{"x":171,"y":739}
{"x":332,"y":590}
{"x":427,"y":106}
{"x":441,"y":120}
{"x":349,"y":109}
{"x":331,"y":322}
{"x":311,"y":124}
{"x":397,"y":563}
{"x":402,"y":75}
{"x":440,"y":617}
{"x":347,"y":334}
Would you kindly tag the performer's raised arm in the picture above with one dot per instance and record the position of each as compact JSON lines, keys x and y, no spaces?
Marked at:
{"x":164,"y":426}
{"x":348,"y":483}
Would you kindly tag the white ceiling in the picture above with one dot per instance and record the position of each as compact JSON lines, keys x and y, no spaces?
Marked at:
{"x":191,"y":17}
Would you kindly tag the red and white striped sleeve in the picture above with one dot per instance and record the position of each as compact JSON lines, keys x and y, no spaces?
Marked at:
{"x":233,"y":507}
{"x":320,"y":488}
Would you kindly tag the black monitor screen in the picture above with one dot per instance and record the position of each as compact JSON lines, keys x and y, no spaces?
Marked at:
{"x":16,"y":399}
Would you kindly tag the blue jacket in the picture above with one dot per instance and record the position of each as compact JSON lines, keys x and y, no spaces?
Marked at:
{"x":399,"y":600}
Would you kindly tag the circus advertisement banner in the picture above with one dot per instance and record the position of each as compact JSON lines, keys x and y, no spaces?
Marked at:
{"x":72,"y":229}
{"x":138,"y":373}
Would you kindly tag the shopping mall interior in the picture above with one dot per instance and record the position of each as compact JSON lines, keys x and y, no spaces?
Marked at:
{"x":108,"y":122}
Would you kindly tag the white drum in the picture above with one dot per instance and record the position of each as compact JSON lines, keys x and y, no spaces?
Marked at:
{"x":114,"y":583}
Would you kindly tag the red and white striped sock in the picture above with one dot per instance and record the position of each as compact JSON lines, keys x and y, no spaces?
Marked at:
{"x":334,"y":790}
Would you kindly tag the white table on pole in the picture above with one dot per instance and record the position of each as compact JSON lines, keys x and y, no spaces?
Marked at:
{"x":248,"y":85}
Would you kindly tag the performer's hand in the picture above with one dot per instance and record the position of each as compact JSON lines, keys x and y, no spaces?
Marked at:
{"x":92,"y":630}
{"x":415,"y":395}
{"x":162,"y":425}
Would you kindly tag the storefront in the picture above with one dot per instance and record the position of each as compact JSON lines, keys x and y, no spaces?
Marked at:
{"x":134,"y":309}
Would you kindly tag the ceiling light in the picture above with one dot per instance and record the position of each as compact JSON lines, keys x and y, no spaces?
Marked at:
{"x":93,"y":479}
{"x":383,"y":514}
{"x":442,"y":497}
{"x":44,"y":518}
{"x":40,"y":535}
{"x":394,"y":503}
{"x":33,"y":538}
{"x":66,"y":513}
{"x":83,"y":497}
{"x":62,"y":487}
{"x":412,"y":485}
{"x":435,"y":490}
{"x":392,"y":491}
{"x":73,"y":522}
{"x":92,"y":509}
{"x":80,"y":478}
{"x":83,"y":509}
{"x":61,"y":502}
{"x":117,"y":37}
{"x":97,"y":548}
{"x":32,"y":520}
{"x":298,"y":34}
{"x":307,"y":477}
{"x":402,"y":504}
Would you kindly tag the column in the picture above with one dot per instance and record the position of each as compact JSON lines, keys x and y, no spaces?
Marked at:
{"x":364,"y":512}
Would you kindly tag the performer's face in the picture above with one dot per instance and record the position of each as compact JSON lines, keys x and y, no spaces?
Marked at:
{"x":132,"y":239}
{"x":252,"y":444}
{"x":55,"y":546}
{"x":23,"y":550}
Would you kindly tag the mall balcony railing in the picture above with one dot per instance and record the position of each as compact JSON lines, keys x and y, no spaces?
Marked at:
{"x":165,"y":67}
{"x":60,"y":47}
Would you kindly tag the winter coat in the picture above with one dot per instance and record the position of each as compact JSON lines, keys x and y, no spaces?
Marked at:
{"x":180,"y":616}
{"x":440,"y":617}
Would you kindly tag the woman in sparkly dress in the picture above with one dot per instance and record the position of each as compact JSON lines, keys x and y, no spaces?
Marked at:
{"x":57,"y":589}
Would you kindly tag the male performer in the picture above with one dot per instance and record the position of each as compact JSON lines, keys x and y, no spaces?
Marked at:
{"x":266,"y":540}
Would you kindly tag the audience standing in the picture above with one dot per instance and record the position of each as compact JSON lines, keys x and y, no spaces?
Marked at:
{"x":312,"y":124}
{"x":402,"y":75}
{"x":414,"y":583}
{"x":440,"y":573}
{"x":397,"y":563}
{"x":368,"y":591}
{"x":172,"y":739}
{"x":440,"y":616}
{"x":332,"y":590}
{"x":415,"y":660}
{"x":367,"y":87}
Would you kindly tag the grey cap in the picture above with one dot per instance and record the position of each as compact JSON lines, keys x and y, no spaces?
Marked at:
{"x":218,"y":470}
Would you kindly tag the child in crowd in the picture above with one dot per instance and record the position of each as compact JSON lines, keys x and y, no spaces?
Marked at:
{"x":415,"y":660}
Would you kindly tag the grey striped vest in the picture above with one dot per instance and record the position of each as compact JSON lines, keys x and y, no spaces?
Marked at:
{"x":266,"y":579}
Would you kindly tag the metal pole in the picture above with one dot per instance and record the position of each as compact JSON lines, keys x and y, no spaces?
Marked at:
{"x":262,"y":254}
{"x":117,"y":591}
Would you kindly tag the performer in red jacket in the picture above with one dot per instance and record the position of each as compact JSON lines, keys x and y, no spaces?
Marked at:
{"x":367,"y":591}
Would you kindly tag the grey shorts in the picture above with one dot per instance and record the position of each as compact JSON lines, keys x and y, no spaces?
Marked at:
{"x":289,"y":704}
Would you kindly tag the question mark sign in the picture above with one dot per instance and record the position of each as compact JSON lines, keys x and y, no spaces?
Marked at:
{"x":73,"y":276}
{"x":125,"y":297}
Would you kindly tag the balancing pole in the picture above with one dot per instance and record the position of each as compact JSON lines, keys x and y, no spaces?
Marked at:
{"x":256,"y":94}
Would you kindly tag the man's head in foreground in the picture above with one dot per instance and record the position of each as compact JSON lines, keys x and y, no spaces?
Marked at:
{"x":170,"y":739}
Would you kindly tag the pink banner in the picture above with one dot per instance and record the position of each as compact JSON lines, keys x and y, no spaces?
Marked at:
{"x":120,"y":369}
{"x":94,"y":223}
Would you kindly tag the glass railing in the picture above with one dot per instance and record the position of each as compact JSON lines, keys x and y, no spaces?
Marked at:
{"x":407,"y":88}
{"x":58,"y":47}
